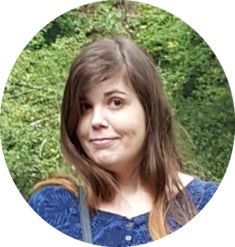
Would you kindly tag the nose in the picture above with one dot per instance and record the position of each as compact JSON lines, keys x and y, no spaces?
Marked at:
{"x":99,"y":120}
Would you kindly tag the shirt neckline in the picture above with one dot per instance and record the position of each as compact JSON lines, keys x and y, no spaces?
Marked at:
{"x":116,"y":215}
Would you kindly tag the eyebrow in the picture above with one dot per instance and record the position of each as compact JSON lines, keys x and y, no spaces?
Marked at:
{"x":108,"y":93}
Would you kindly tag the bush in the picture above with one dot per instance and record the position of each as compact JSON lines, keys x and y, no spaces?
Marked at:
{"x":194,"y":82}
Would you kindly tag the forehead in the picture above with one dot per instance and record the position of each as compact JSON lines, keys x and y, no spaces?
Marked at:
{"x":113,"y":85}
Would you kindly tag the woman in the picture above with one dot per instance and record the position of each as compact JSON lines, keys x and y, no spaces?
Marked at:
{"x":116,"y":130}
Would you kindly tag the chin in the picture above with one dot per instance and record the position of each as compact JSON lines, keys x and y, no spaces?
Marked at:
{"x":107,"y":163}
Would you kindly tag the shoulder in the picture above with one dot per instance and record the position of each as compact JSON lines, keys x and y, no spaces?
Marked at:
{"x":201,"y":191}
{"x":54,"y":204}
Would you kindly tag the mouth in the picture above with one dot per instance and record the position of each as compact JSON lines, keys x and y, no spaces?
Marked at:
{"x":103,"y":142}
{"x":103,"y":139}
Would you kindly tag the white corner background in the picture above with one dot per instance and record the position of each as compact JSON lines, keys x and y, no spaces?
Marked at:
{"x":20,"y":20}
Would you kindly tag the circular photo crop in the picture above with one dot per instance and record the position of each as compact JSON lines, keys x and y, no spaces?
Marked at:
{"x":117,"y":123}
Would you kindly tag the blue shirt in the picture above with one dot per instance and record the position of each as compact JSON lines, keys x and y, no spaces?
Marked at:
{"x":60,"y":208}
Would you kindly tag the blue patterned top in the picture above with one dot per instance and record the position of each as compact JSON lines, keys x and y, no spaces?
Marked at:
{"x":60,"y":208}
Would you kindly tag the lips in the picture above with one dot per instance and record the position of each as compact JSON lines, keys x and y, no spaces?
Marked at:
{"x":103,"y":138}
{"x":103,"y":142}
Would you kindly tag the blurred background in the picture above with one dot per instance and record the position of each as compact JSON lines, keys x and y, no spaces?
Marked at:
{"x":194,"y":81}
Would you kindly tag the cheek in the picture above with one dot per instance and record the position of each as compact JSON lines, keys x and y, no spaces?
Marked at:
{"x":131,"y":123}
{"x":81,"y":130}
{"x":137,"y":119}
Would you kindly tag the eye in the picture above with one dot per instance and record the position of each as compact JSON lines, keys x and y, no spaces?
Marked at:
{"x":85,"y":107}
{"x":116,"y":103}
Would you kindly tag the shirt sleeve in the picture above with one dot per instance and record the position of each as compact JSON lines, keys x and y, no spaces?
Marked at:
{"x":208,"y":190}
{"x":58,"y":207}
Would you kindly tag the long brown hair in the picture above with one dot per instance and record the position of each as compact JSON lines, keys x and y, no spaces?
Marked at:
{"x":97,"y":62}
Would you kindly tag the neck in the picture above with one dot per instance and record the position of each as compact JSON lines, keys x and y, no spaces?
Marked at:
{"x":132,"y":197}
{"x":128,"y":181}
{"x":131,"y":188}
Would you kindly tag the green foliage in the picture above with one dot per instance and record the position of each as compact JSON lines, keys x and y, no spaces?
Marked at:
{"x":194,"y":82}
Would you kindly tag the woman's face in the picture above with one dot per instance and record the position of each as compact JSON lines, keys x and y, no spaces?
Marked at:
{"x":112,"y":126}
